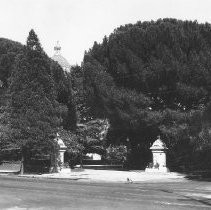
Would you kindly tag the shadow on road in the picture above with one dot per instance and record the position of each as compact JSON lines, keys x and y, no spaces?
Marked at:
{"x":206,"y":202}
{"x":199,"y":176}
{"x":186,"y":198}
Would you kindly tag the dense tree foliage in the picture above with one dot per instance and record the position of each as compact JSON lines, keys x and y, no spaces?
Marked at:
{"x":36,"y":100}
{"x":79,"y":96}
{"x":33,"y":112}
{"x":65,"y":96}
{"x":152,"y":78}
{"x":8,"y":52}
{"x":89,"y":137}
{"x":149,"y":78}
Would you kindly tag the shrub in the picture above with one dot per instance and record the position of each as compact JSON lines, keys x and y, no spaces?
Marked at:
{"x":116,"y":153}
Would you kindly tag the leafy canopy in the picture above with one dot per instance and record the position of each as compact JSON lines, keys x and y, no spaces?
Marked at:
{"x":152,"y":78}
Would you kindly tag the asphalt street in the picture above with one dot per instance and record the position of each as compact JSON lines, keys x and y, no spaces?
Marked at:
{"x":18,"y":193}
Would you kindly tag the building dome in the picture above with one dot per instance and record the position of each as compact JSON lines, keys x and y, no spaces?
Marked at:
{"x":60,"y":59}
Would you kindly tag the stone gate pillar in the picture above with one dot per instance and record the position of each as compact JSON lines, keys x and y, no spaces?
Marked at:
{"x":158,"y":157}
{"x":62,"y":150}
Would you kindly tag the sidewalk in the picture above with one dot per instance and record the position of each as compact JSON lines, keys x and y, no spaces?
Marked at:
{"x":90,"y":175}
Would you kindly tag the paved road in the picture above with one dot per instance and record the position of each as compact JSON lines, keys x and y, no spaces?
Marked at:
{"x":18,"y":193}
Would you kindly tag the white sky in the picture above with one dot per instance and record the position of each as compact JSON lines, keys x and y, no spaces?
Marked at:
{"x":78,"y":23}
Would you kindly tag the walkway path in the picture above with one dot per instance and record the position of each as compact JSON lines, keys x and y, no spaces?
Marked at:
{"x":112,"y":176}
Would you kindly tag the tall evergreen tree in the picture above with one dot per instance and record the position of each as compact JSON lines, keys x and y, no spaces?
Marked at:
{"x":33,"y":42}
{"x":34,"y":113}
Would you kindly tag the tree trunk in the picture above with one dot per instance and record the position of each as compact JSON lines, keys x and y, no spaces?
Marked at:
{"x":54,"y":160}
{"x":22,"y":164}
{"x":23,"y":159}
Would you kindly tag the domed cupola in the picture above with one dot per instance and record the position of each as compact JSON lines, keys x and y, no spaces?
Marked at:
{"x":60,"y":59}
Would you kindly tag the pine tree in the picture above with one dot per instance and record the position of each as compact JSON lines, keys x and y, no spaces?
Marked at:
{"x":34,"y":112}
{"x":165,"y":63}
{"x":33,"y":41}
